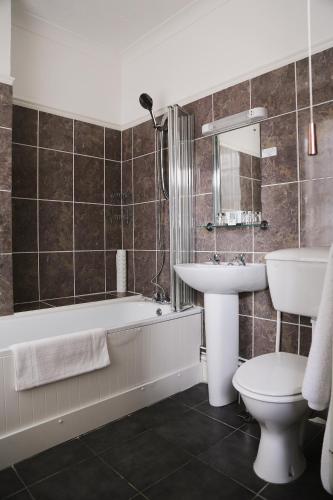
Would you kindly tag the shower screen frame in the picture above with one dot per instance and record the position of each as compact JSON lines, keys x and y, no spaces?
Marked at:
{"x":181,"y":202}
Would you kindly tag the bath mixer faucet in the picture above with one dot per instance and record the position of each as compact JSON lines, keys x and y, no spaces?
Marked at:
{"x":240,"y":259}
{"x":215,"y":259}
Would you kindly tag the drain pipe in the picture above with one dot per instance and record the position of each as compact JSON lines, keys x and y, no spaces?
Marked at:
{"x":278,"y":332}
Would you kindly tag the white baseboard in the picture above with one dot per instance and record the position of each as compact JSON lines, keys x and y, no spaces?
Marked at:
{"x":45,"y":434}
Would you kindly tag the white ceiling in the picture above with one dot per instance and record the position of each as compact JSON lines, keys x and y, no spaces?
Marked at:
{"x":117,"y":24}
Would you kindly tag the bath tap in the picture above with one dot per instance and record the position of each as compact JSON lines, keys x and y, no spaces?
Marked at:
{"x":215,"y":259}
{"x":161,"y":298}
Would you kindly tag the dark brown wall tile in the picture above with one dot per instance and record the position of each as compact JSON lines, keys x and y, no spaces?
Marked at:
{"x":322,"y":78}
{"x":281,"y":133}
{"x":6,"y":295}
{"x":55,"y":132}
{"x":203,"y":165}
{"x":6,"y":222}
{"x":144,"y":178}
{"x":164,"y":278}
{"x":234,"y":239}
{"x":25,"y":277}
{"x":130,"y":271}
{"x":263,"y":307}
{"x":126,"y":141}
{"x":88,"y":179}
{"x":127,"y":182}
{"x":55,"y":175}
{"x":145,"y":268}
{"x":25,"y":125}
{"x":112,"y":183}
{"x":112,"y":144}
{"x":305,"y":340}
{"x":56,"y":275}
{"x":245,"y":336}
{"x":165,"y":226}
{"x":88,"y":139}
{"x":246,"y":303}
{"x":5,"y":158}
{"x":89,"y":272}
{"x":24,"y":225}
{"x":232,"y":100}
{"x":24,"y":171}
{"x":280,"y":209}
{"x":143,"y":139}
{"x":264,"y":336}
{"x":92,"y":217}
{"x":203,"y":213}
{"x":202,"y":109}
{"x":320,"y":165}
{"x":111,"y":271}
{"x":5,"y":105}
{"x":55,"y":226}
{"x":275,"y":91}
{"x":145,"y":226}
{"x":289,"y":338}
{"x":113,"y":227}
{"x":127,"y":218}
{"x":316,"y":212}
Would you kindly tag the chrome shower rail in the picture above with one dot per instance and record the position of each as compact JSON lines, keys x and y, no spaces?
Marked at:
{"x":180,"y":140}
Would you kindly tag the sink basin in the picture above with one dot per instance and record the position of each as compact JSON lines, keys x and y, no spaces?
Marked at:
{"x":221,"y":284}
{"x":223,"y":278}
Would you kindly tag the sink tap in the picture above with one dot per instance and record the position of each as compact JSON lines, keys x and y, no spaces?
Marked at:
{"x":215,"y":259}
{"x":240,"y":259}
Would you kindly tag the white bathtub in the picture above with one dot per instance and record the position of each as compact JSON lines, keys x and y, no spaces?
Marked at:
{"x":152,"y":357}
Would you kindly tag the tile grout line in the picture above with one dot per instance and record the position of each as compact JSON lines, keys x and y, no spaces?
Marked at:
{"x":298,"y":191}
{"x":37,"y":204}
{"x":104,"y":216}
{"x":73,"y":197}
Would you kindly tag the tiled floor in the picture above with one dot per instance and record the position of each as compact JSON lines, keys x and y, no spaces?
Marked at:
{"x":179,"y":449}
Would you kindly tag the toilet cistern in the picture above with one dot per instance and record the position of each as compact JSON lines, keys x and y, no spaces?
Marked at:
{"x":221,"y":285}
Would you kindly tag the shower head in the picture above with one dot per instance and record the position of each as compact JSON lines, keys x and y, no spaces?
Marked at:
{"x":147,"y":103}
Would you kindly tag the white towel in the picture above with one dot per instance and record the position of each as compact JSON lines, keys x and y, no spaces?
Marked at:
{"x":318,"y":374}
{"x":55,"y":358}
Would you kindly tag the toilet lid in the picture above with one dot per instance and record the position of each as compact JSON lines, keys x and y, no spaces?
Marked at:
{"x":276,"y":374}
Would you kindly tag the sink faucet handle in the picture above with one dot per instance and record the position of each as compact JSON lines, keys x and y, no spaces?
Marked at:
{"x":215,"y":258}
{"x":242,"y":258}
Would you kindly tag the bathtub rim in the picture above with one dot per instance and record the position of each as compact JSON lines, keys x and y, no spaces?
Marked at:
{"x":171,"y":315}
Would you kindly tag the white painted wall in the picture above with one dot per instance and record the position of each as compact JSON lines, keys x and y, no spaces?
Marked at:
{"x":56,"y":70}
{"x":5,"y":36}
{"x":208,"y":46}
{"x":216,"y":44}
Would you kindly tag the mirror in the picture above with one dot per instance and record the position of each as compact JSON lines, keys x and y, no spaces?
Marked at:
{"x":237,"y":177}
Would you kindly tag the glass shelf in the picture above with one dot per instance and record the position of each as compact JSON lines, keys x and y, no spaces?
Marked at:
{"x":210,"y":226}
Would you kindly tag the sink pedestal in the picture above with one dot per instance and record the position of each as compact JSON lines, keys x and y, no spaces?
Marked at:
{"x":222,"y":344}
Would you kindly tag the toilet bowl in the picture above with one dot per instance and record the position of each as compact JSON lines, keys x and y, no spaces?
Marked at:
{"x":270,"y":386}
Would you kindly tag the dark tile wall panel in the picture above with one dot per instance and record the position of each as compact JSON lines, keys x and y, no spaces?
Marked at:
{"x":6,"y":279}
{"x":296,"y":191}
{"x":66,"y":208}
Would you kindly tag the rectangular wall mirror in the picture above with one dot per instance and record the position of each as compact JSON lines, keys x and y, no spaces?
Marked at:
{"x":237,"y":177}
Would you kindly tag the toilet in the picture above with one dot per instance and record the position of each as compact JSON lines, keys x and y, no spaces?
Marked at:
{"x":271,"y":384}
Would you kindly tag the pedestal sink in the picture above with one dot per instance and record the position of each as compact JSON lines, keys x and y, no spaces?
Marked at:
{"x":221,"y":284}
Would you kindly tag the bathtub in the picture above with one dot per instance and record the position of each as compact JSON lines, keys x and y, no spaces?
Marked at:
{"x":154,"y":353}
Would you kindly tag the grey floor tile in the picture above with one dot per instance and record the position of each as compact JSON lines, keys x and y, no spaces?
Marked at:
{"x":160,"y":413}
{"x":114,"y":433}
{"x":197,"y":481}
{"x":234,"y":456}
{"x":52,"y":460}
{"x":193,"y":432}
{"x":229,"y":414}
{"x":145,"y":459}
{"x":89,"y":480}
{"x":193,"y":396}
{"x":9,"y":482}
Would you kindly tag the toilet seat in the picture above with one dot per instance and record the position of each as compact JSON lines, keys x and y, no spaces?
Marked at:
{"x":275,"y":377}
